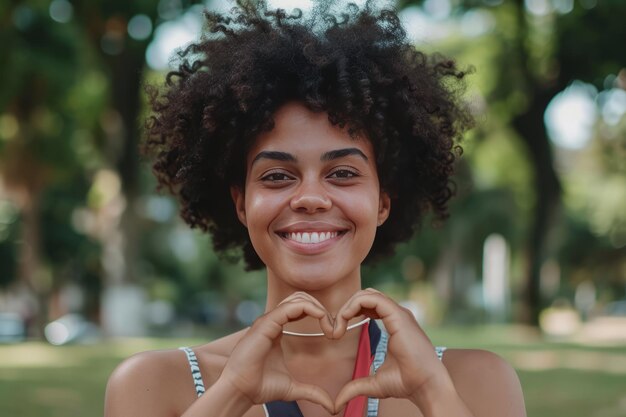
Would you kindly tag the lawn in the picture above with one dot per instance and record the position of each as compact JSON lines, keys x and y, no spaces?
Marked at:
{"x":558,"y":379}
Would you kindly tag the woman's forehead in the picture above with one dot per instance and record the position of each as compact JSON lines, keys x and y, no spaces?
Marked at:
{"x":302,"y":132}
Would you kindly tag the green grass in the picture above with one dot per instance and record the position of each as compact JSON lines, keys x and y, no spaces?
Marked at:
{"x":558,"y":379}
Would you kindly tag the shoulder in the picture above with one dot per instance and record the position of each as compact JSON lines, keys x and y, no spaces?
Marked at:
{"x":464,"y":365}
{"x":154,"y":383}
{"x":137,"y":385}
{"x":486,"y":382}
{"x":160,"y":383}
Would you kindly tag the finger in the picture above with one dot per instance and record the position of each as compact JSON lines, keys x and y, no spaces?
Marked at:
{"x":373,"y":305}
{"x":297,"y":295}
{"x":378,"y":305}
{"x":331,"y":319}
{"x":339,"y":323}
{"x":294,"y":310}
{"x":312,"y":393}
{"x":363,"y":386}
{"x":326,"y":323}
{"x":305,"y":295}
{"x":369,"y":302}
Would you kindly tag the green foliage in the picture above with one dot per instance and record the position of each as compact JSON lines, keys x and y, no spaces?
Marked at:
{"x":523,"y":61}
{"x":58,"y":108}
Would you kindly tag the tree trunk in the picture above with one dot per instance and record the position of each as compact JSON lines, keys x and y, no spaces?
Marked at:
{"x":547,"y":187}
{"x":530,"y":127}
{"x":30,"y":272}
{"x":126,"y":72}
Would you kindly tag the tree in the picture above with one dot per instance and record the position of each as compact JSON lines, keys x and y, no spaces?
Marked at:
{"x":540,"y":55}
{"x":40,"y":74}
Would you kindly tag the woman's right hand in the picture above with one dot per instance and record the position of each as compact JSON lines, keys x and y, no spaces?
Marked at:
{"x":256,"y":367}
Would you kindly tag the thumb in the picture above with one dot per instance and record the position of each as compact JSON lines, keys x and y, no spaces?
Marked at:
{"x":312,"y":393}
{"x":363,"y":386}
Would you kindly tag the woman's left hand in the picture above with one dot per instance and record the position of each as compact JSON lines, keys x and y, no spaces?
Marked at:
{"x":411,"y":362}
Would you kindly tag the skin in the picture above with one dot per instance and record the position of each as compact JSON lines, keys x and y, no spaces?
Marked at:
{"x":308,"y":176}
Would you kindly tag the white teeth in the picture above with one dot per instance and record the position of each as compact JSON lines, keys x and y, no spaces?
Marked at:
{"x":310,"y":237}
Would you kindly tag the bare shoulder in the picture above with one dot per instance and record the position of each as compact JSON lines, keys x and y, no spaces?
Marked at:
{"x":486,"y":382}
{"x":464,"y":365}
{"x":160,"y":384}
{"x":155,"y":383}
{"x":148,"y":384}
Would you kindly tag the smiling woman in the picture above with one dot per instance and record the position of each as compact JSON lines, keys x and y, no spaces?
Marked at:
{"x":314,"y":145}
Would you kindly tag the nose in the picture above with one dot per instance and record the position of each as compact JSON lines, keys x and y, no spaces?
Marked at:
{"x":310,"y":197}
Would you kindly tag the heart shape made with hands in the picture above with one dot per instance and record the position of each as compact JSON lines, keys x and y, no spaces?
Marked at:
{"x":361,"y":368}
{"x":364,"y":358}
{"x":399,"y":376}
{"x":258,"y":368}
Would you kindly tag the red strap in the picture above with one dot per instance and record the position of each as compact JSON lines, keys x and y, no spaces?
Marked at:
{"x":364,"y":359}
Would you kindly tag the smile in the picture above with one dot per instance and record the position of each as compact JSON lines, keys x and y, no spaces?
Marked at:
{"x":310,"y":237}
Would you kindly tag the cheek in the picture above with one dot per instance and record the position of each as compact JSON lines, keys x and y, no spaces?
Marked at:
{"x":254,"y":203}
{"x":362,"y":208}
{"x":262,"y":209}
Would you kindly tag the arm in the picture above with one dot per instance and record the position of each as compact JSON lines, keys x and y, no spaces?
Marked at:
{"x":480,"y":384}
{"x":471,"y":383}
{"x":255,"y":373}
{"x":223,"y":399}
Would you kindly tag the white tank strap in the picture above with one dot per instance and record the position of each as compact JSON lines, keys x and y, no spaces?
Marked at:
{"x":195,"y":369}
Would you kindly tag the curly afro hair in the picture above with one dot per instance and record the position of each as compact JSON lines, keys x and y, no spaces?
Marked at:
{"x":356,"y":65}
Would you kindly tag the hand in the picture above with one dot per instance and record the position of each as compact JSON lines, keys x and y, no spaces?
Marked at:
{"x":411,"y":360}
{"x":256,"y":366}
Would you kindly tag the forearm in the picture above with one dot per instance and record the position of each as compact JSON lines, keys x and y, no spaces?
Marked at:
{"x":220,"y":400}
{"x":440,"y":399}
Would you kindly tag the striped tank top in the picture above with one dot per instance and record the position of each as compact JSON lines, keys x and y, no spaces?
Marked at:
{"x":378,"y":347}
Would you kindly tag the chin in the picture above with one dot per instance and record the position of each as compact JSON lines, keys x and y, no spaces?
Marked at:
{"x":316,"y":280}
{"x":312,"y":277}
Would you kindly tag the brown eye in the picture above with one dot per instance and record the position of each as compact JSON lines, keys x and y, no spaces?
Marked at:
{"x":276,"y":177}
{"x":343,"y":174}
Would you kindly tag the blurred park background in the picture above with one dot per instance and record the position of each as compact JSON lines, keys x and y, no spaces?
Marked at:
{"x":96,"y":265}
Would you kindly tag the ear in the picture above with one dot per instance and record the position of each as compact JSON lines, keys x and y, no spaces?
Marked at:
{"x":384,"y":205}
{"x":238,"y":196}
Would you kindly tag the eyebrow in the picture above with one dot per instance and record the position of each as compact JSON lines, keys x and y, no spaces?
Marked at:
{"x":275,"y":155}
{"x":341,"y":153}
{"x":326,"y":156}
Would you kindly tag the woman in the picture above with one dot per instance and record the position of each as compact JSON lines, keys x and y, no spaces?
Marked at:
{"x":314,"y":145}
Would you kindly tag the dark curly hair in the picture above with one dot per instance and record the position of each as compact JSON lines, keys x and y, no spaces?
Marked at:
{"x":357,"y":65}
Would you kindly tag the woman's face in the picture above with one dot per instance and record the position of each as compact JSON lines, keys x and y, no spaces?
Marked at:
{"x":312,"y":200}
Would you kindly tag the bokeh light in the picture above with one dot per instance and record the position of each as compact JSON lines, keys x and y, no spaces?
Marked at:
{"x":61,"y":11}
{"x":57,"y":333}
{"x":140,"y":27}
{"x":570,"y":116}
{"x":23,"y":16}
{"x":613,"y":105}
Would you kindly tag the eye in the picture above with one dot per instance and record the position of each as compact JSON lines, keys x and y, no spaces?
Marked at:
{"x":276,"y":177}
{"x":343,"y":174}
